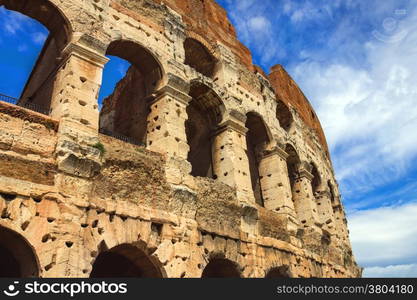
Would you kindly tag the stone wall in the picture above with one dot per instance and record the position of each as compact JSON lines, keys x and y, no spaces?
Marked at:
{"x":79,"y":203}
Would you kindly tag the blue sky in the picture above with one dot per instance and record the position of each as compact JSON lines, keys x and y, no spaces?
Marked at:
{"x":357,"y":63}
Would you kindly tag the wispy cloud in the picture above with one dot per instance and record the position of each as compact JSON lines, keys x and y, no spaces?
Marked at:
{"x":406,"y":271}
{"x":385,"y":236}
{"x":368,"y":112}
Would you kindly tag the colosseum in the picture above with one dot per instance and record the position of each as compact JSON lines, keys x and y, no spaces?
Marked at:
{"x":199,"y":164}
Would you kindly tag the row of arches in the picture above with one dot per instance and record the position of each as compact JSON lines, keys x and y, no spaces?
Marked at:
{"x":18,"y":260}
{"x":126,"y":111}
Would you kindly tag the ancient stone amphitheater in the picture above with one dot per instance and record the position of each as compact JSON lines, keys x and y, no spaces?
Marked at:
{"x":198,"y":165}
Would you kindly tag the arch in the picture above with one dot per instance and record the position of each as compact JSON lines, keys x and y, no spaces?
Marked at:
{"x":125,"y":111}
{"x":199,"y":57}
{"x":17,"y":256}
{"x":38,"y":90}
{"x":257,"y":140}
{"x":205,"y":112}
{"x":316,"y":182}
{"x":221,"y":268}
{"x":293,"y":163}
{"x":279,"y":272}
{"x":284,"y":115}
{"x":124,"y":261}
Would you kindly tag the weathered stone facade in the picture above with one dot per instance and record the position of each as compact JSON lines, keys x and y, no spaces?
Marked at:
{"x":224,"y":171}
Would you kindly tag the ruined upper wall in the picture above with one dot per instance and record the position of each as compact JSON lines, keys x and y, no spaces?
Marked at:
{"x":287,"y":90}
{"x":209,"y":20}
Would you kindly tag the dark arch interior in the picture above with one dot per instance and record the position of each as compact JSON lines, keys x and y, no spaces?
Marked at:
{"x":284,"y":116}
{"x":16,"y":256}
{"x":316,"y":182}
{"x":124,"y":261}
{"x":198,"y":57}
{"x":278,"y":272}
{"x":37,"y":93}
{"x":221,"y":268}
{"x":125,"y":111}
{"x":293,"y":163}
{"x":256,"y":140}
{"x":204,"y":114}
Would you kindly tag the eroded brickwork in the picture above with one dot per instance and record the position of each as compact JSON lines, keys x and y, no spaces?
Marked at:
{"x":198,"y":164}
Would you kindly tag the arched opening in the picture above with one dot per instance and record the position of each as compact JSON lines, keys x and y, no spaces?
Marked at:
{"x":37,"y":30}
{"x":17,"y":258}
{"x":293,"y":164}
{"x":284,"y":116}
{"x":124,"y":261}
{"x":199,"y":57}
{"x":332,"y":195}
{"x":221,"y":268}
{"x":204,"y":114}
{"x":316,"y":182}
{"x":256,"y":140}
{"x":125,"y":109}
{"x":279,"y":272}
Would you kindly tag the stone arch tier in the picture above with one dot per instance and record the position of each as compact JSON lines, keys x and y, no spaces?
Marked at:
{"x":221,"y":268}
{"x":17,"y":257}
{"x":279,"y":272}
{"x":257,"y":140}
{"x":38,"y":91}
{"x":125,"y":112}
{"x":124,"y":261}
{"x":199,"y":57}
{"x":204,"y":113}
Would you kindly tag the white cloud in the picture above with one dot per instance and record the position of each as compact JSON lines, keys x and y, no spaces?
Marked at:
{"x":260,"y":24}
{"x":369,"y":113}
{"x":397,"y":271}
{"x":39,"y":38}
{"x":385,"y":236}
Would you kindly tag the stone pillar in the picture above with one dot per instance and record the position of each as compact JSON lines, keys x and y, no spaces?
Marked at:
{"x":340,"y":222}
{"x":166,"y":123}
{"x":77,"y":86}
{"x":325,"y":210}
{"x":74,"y":103}
{"x":275,"y":183}
{"x":304,"y":200}
{"x":166,"y":128}
{"x":230,"y":162}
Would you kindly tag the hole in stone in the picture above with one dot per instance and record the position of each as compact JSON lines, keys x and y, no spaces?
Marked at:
{"x":24,"y":225}
{"x":69,"y":244}
{"x":156,"y":228}
{"x":8,"y":197}
{"x":156,"y":118}
{"x":94,"y":224}
{"x":46,"y":238}
{"x":84,"y":225}
{"x":48,"y":267}
{"x":82,"y":103}
{"x":158,"y":127}
{"x":83,"y":79}
{"x":111,"y":217}
{"x":50,"y":220}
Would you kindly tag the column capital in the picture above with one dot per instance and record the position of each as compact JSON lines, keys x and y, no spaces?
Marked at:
{"x":276,"y":151}
{"x":303,"y":173}
{"x":231,"y":125}
{"x":85,"y":53}
{"x":169,"y":90}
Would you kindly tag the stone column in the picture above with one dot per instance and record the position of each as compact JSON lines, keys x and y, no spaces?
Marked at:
{"x":77,"y":85}
{"x":325,"y":210}
{"x":230,"y":162}
{"x":304,"y":200}
{"x":74,"y":103}
{"x":166,"y":128}
{"x":275,"y":183}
